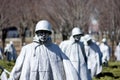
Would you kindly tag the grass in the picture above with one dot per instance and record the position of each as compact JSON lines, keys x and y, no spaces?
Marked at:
{"x":7,"y":65}
{"x":112,"y":72}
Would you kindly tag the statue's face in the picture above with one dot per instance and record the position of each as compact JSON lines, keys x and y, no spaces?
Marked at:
{"x":77,"y":37}
{"x":43,"y":35}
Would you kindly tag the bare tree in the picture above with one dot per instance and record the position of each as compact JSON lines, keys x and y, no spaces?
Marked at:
{"x":63,"y":14}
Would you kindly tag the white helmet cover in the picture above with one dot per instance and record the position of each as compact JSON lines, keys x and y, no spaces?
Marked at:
{"x":43,"y":25}
{"x":76,"y":31}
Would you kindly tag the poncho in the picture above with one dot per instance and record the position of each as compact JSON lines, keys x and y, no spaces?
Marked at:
{"x":76,"y":54}
{"x":43,"y":62}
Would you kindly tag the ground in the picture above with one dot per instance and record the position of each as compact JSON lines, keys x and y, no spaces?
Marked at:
{"x":111,"y":72}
